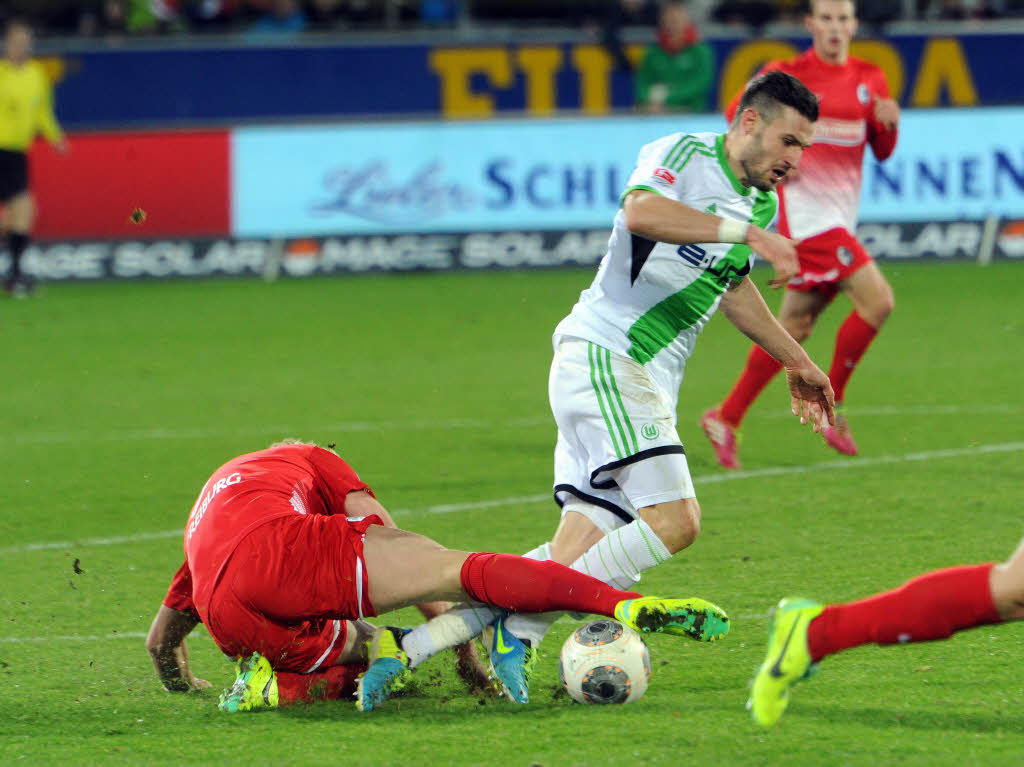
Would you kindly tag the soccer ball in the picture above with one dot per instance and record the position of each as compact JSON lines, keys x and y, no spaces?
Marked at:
{"x":605,"y":662}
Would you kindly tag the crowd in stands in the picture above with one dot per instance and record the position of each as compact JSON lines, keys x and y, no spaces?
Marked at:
{"x":105,"y":18}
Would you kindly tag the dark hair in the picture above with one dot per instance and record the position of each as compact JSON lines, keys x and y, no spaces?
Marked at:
{"x":810,"y":6}
{"x":767,"y":92}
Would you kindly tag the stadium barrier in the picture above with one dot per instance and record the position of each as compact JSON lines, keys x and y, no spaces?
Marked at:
{"x":271,"y":259}
{"x":211,"y":81}
{"x":439,"y":195}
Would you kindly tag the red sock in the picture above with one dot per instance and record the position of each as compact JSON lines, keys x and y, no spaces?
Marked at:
{"x":854,"y":337}
{"x":333,"y":683}
{"x":529,"y":586}
{"x":931,"y":606}
{"x":761,"y":368}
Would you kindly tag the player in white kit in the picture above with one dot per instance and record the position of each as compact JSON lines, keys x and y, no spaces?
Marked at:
{"x":694,"y":210}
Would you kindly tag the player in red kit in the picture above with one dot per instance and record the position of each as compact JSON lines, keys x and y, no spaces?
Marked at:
{"x":287,"y":550}
{"x":818,"y":206}
{"x":931,"y":606}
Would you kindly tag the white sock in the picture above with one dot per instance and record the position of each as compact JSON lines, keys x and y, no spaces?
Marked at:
{"x":617,"y":559}
{"x":458,"y":625}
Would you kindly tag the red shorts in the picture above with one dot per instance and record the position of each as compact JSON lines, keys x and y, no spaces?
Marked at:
{"x":826,"y":259}
{"x":288,"y":589}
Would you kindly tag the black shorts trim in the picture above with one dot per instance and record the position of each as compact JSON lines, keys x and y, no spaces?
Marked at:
{"x":618,"y":511}
{"x":653,"y":452}
{"x":13,"y":174}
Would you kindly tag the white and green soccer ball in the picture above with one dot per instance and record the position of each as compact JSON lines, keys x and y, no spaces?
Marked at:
{"x":605,"y":662}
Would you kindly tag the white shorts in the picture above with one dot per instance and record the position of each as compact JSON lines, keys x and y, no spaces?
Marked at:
{"x":617,"y":447}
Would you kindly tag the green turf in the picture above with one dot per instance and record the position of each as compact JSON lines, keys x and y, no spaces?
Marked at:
{"x":119,"y":399}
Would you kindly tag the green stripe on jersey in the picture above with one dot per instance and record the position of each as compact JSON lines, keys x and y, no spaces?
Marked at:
{"x":659,"y":326}
{"x":684,"y":149}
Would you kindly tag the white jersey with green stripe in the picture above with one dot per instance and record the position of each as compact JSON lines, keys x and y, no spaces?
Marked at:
{"x":650,"y":300}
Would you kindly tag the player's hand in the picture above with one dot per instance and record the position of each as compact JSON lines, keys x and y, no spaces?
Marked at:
{"x":887,"y":112}
{"x":812,"y":398}
{"x":778,"y":251}
{"x":473,"y":672}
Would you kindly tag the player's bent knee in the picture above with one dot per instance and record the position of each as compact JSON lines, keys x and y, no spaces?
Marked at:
{"x":676,"y":523}
{"x":1007,"y":585}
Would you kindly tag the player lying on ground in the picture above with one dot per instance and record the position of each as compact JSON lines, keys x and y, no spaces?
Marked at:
{"x":819,"y":208}
{"x":932,"y":606}
{"x":693,"y":211}
{"x":286,"y":550}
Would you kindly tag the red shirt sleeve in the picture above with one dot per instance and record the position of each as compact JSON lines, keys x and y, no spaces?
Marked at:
{"x":335,"y":479}
{"x":179,"y":595}
{"x":883,"y":140}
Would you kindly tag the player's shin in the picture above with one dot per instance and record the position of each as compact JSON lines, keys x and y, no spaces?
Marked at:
{"x":617,"y":559}
{"x":458,"y":625}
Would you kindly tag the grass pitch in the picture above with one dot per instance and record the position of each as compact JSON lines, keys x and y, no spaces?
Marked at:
{"x":119,"y":399}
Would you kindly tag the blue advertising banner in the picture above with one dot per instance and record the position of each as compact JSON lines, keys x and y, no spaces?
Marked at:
{"x":102,"y":88}
{"x":568,"y":174}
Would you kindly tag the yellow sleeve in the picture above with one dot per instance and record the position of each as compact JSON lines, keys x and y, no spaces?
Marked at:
{"x":46,"y":120}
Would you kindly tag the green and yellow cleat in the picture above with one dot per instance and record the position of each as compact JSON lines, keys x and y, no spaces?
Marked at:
{"x":255,"y":686}
{"x":693,"y":617}
{"x":388,"y":671}
{"x":786,"y":662}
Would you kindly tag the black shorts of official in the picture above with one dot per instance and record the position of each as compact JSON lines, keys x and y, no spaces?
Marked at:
{"x":13,"y":174}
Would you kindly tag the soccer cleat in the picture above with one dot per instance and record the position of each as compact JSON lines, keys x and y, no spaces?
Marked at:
{"x":724,"y":438}
{"x":255,"y":686}
{"x":786,"y":662}
{"x":388,"y":671}
{"x":512,"y":662}
{"x":839,"y":437}
{"x":693,"y":617}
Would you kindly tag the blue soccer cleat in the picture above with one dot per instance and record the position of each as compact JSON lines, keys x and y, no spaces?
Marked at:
{"x":512,"y":662}
{"x":388,"y":671}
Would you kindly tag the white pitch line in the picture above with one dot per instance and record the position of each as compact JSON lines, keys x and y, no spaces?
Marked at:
{"x":707,"y":479}
{"x":163,"y":433}
{"x":160,"y":433}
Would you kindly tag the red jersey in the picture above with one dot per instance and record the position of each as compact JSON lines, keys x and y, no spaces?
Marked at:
{"x":827,"y":193}
{"x":246,"y":493}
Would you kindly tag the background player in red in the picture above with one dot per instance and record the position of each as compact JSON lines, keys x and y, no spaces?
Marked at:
{"x":286,"y":550}
{"x":818,"y":205}
{"x":931,"y":606}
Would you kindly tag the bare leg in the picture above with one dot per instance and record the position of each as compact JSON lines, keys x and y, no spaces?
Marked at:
{"x":870,"y":293}
{"x":1007,"y":583}
{"x":409,"y":569}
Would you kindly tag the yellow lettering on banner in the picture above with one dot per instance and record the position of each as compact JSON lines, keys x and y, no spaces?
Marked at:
{"x":455,"y":66}
{"x":943,"y":65}
{"x":885,"y":57}
{"x":595,"y":66}
{"x":744,"y":61}
{"x":540,"y":64}
{"x":635,"y":52}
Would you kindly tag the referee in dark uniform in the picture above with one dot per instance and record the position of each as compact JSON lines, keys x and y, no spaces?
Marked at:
{"x":26,"y":108}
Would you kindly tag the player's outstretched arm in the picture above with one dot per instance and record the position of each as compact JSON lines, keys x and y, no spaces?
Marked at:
{"x":812,"y":398}
{"x":166,"y":646}
{"x":663,"y":220}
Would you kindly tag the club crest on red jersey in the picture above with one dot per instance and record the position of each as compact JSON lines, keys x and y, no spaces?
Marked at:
{"x":863,"y":95}
{"x":665,"y":175}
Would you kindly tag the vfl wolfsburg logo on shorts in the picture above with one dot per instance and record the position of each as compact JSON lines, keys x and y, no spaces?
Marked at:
{"x":649,"y":431}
